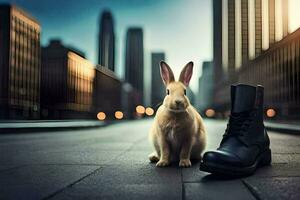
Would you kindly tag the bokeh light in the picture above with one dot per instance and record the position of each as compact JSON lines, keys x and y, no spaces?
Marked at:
{"x":210,"y":112}
{"x":271,"y":113}
{"x":149,"y":111}
{"x":101,"y":116}
{"x":119,"y":115}
{"x":140,"y":109}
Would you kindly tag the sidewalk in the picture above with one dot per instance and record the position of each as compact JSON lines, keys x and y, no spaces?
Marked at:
{"x":112,"y":163}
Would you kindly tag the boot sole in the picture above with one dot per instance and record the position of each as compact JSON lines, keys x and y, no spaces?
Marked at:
{"x":262,"y":160}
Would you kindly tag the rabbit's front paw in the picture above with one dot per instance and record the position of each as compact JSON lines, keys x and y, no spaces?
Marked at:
{"x":162,"y":163}
{"x":185,"y":163}
{"x":153,"y":157}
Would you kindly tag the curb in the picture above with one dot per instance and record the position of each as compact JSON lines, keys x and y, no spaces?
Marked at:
{"x":46,"y":126}
{"x":284,"y":128}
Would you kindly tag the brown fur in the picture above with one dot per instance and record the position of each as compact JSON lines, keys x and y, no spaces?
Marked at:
{"x":177,"y":132}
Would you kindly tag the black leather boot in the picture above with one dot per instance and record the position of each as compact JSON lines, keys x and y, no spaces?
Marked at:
{"x":245,"y":144}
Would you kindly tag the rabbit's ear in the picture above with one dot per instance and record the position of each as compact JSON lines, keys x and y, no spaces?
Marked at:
{"x":186,"y":73}
{"x":166,"y":73}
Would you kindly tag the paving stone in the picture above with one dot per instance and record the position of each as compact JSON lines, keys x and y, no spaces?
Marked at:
{"x":128,"y":182}
{"x":131,"y":158}
{"x":39,"y":181}
{"x":214,"y":189}
{"x":284,"y":143}
{"x":60,"y":157}
{"x":275,"y":188}
{"x":123,"y":191}
{"x":279,"y":170}
{"x":8,"y":167}
{"x":145,"y":173}
{"x":285,"y":158}
{"x":193,"y":174}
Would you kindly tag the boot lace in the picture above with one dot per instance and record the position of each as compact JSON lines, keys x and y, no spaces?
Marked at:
{"x":238,"y":124}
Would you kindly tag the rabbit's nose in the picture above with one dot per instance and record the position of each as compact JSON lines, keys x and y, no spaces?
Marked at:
{"x":178,"y":102}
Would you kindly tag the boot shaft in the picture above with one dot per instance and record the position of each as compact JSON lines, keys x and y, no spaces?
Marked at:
{"x":247,"y":98}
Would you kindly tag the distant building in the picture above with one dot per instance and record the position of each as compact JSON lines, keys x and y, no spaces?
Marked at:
{"x":134,"y":61}
{"x":66,"y":82}
{"x":106,"y":49}
{"x":107,"y":93}
{"x":219,"y":70}
{"x":217,"y":41}
{"x":157,"y":86}
{"x":205,"y":94}
{"x":191,"y":95}
{"x":19,"y":64}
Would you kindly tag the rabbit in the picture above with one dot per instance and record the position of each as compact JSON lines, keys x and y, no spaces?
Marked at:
{"x":177,"y":132}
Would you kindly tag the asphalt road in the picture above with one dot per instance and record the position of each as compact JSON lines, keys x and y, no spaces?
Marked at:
{"x":111,"y":163}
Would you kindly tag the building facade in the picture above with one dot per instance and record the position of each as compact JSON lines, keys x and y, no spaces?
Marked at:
{"x":231,"y":40}
{"x":134,"y":61}
{"x":107,"y":93}
{"x":106,"y":49}
{"x":206,"y":87}
{"x":19,"y":64}
{"x":157,"y":86}
{"x":271,"y":12}
{"x":278,"y":70}
{"x":244,"y":31}
{"x":66,"y":83}
{"x":258,"y":27}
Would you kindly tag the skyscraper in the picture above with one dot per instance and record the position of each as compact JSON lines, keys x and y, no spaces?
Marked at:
{"x":106,"y":51}
{"x":205,"y":93}
{"x":134,"y":60}
{"x":217,"y":40}
{"x":157,"y":86}
{"x":19,"y":64}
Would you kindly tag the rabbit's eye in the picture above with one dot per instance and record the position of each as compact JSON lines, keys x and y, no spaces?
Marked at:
{"x":168,"y":91}
{"x":185,"y":92}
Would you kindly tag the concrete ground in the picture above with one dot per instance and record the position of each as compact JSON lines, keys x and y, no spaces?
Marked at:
{"x":111,"y":163}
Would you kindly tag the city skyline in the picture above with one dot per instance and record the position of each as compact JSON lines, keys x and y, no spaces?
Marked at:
{"x":62,"y":20}
{"x":77,"y":24}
